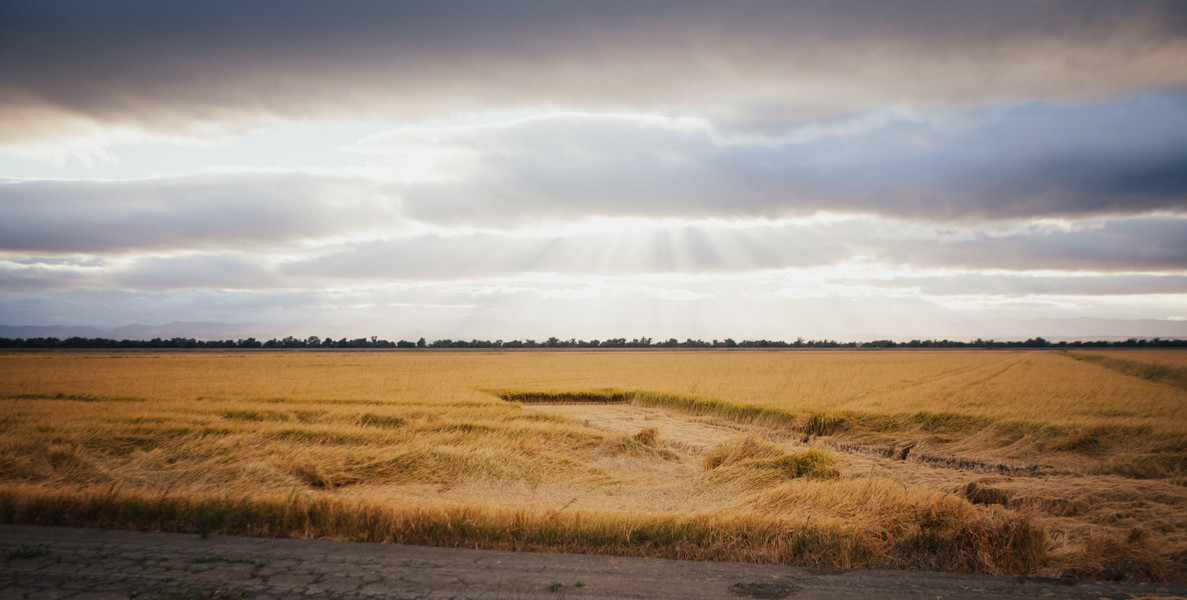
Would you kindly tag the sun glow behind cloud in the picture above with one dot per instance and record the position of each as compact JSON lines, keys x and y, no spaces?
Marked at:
{"x":762,"y":172}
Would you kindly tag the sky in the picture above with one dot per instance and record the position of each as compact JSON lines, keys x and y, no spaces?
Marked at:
{"x":841,"y":170}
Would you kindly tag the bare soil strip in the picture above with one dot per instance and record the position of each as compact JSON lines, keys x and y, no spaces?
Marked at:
{"x":60,"y":562}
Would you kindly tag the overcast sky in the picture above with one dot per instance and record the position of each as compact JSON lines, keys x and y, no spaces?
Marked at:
{"x":832,"y":169}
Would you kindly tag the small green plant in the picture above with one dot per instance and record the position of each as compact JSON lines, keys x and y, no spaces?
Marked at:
{"x":28,"y":551}
{"x":804,"y":542}
{"x":578,"y":583}
{"x":555,"y":586}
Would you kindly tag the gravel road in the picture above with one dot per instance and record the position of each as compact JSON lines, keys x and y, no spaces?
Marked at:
{"x":85,"y":564}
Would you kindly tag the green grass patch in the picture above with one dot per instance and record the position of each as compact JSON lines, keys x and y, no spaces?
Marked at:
{"x":28,"y":551}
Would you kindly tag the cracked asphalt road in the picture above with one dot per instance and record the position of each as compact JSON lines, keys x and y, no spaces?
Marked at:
{"x":85,"y":564}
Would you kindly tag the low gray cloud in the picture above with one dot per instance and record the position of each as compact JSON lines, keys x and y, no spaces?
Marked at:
{"x":1125,"y":156}
{"x":1140,"y":244}
{"x":755,"y":66}
{"x":199,"y":211}
{"x":1137,"y":244}
{"x":1121,"y":157}
{"x":219,"y":271}
{"x":1013,"y":284}
{"x":1127,"y":247}
{"x":38,"y":278}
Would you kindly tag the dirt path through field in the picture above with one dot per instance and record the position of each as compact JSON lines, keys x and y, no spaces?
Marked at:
{"x":692,"y":434}
{"x":92,"y":564}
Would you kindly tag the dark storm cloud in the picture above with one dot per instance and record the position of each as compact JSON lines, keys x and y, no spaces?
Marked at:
{"x":200,"y":211}
{"x":174,"y":66}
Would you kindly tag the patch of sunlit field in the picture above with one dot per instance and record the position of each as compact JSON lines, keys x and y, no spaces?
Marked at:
{"x":423,"y":447}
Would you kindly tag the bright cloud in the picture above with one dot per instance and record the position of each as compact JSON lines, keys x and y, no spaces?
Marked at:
{"x":827,"y":169}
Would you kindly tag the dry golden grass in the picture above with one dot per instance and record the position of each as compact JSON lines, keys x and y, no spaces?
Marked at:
{"x":1162,"y":366}
{"x":725,"y":455}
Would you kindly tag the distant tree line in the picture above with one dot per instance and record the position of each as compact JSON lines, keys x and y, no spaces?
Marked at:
{"x":552,"y":342}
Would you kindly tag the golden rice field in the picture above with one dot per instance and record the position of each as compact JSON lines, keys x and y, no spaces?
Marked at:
{"x":1019,"y":462}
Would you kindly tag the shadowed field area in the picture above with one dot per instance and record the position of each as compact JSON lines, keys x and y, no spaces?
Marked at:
{"x":1030,"y":462}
